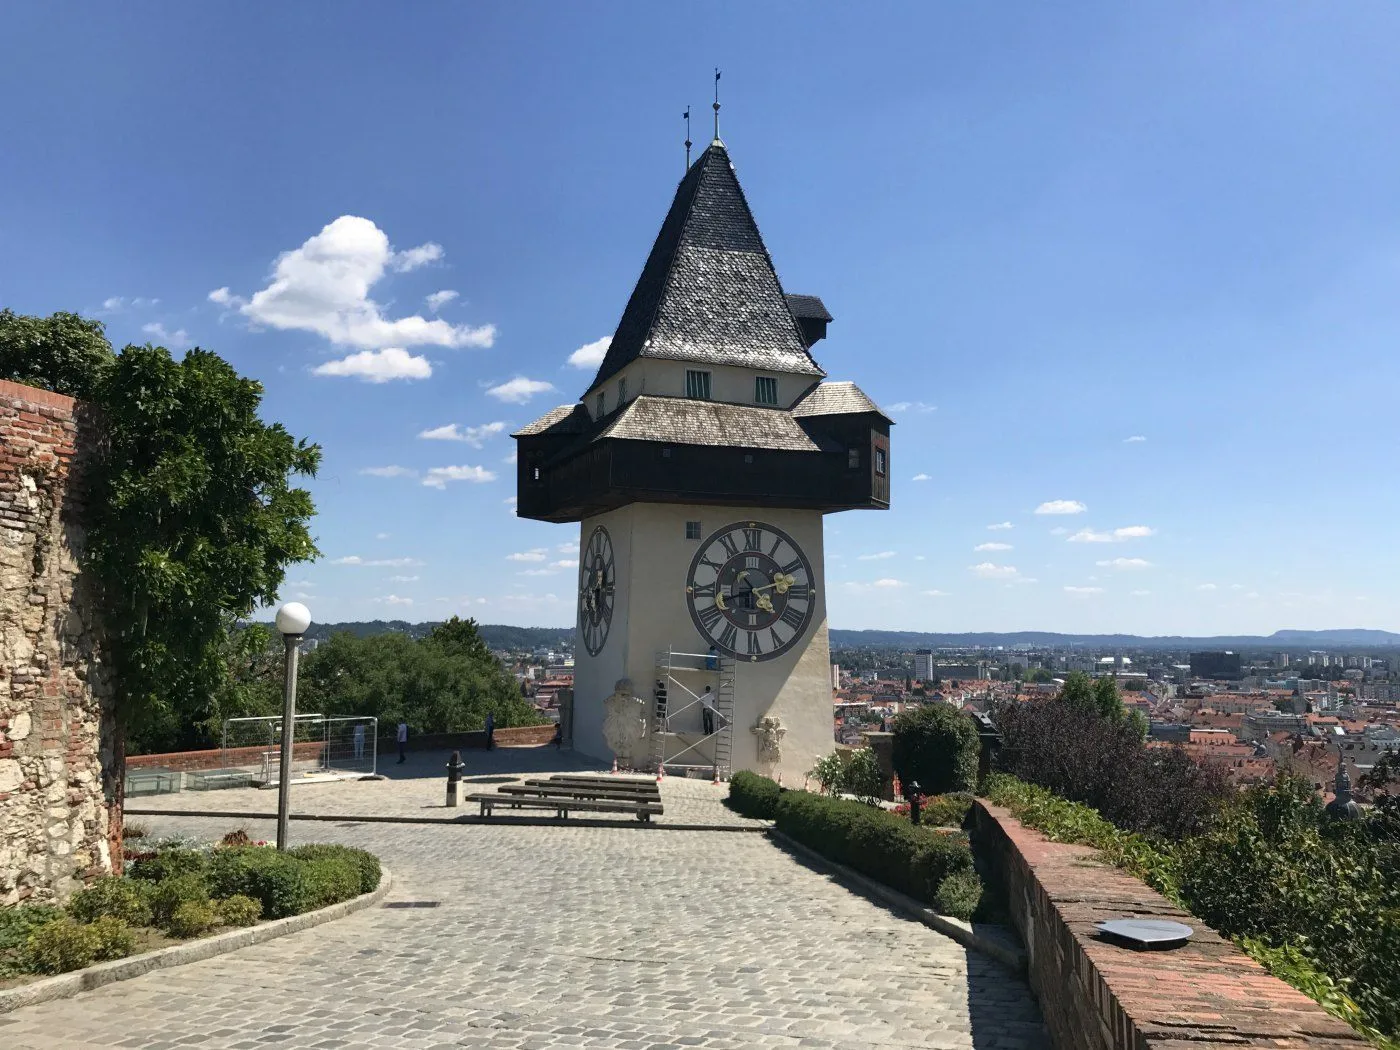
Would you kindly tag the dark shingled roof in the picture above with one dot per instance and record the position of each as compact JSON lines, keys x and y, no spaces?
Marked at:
{"x":682,"y":421}
{"x":708,"y":292}
{"x":836,"y":399}
{"x":808,"y":306}
{"x":566,"y":419}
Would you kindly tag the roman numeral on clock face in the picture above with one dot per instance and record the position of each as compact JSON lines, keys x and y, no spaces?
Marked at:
{"x":704,"y":590}
{"x":799,"y":592}
{"x":753,"y":539}
{"x":792,"y":566}
{"x":728,"y":638}
{"x":793,"y":618}
{"x":709,"y":616}
{"x":755,"y":649}
{"x":730,"y":547}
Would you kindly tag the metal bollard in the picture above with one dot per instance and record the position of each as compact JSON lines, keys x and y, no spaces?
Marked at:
{"x":915,"y":800}
{"x":454,"y":777}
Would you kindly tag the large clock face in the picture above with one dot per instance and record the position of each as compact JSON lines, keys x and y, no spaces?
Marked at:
{"x":597,"y":579}
{"x":751,"y":591}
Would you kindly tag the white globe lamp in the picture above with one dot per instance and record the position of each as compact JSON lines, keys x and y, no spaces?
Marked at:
{"x":293,"y":618}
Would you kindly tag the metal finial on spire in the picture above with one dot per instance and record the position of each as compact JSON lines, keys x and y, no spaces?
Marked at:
{"x":716,"y":106}
{"x":688,"y":143}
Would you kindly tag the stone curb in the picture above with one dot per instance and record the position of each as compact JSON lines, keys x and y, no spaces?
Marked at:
{"x":380,"y":818}
{"x":1001,"y":948}
{"x":66,"y":985}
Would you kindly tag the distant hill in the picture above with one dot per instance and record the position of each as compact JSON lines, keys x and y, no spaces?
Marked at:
{"x":1332,"y":639}
{"x":497,"y":636}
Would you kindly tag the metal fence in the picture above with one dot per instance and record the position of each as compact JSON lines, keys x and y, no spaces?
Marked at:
{"x":320,"y":746}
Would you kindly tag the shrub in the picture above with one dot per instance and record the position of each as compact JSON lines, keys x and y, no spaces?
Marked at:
{"x":239,"y":910}
{"x":16,"y":924}
{"x":366,"y":863}
{"x":192,"y":918}
{"x":134,"y":830}
{"x":959,"y":895}
{"x":753,"y":795}
{"x":936,"y":746}
{"x":277,"y":880}
{"x":113,"y":897}
{"x":169,"y":895}
{"x":114,"y":938}
{"x":863,"y":777}
{"x":331,"y":880}
{"x":888,"y":848}
{"x":60,"y":946}
{"x":168,"y":863}
{"x":829,"y":771}
{"x":947,"y":811}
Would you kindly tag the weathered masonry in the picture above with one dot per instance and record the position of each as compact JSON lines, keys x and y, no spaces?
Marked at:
{"x":59,"y":809}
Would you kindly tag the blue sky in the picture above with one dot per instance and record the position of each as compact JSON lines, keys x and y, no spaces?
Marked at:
{"x":1139,"y":259}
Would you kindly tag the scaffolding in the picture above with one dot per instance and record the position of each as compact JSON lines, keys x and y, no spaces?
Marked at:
{"x":684,"y":739}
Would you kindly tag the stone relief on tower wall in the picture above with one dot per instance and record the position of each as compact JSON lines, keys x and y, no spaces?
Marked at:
{"x":624,"y":722}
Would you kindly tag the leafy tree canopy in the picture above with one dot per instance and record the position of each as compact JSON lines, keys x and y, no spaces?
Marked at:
{"x":64,"y":353}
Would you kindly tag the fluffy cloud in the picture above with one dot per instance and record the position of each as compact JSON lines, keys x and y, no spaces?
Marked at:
{"x":438,"y":300}
{"x":1001,"y":525}
{"x":889,"y":584}
{"x":988,"y":571}
{"x":566,"y":563}
{"x":536,"y":555}
{"x":176,"y":340}
{"x":1136,"y":439}
{"x":384,"y":563}
{"x":590,"y":355}
{"x":394,"y":599}
{"x":403,"y":579}
{"x":378,"y":366}
{"x":886,"y":584}
{"x":923,"y":477}
{"x":392,"y":471}
{"x":1128,"y":532}
{"x":324,"y":287}
{"x":880,"y":556}
{"x":473,"y":436}
{"x":916,"y":406}
{"x":992,"y":547}
{"x":935,"y":594}
{"x":519,"y":390}
{"x":119,"y":302}
{"x":1125,"y":563}
{"x":438,"y":477}
{"x":1061,"y":506}
{"x":1083,"y":590}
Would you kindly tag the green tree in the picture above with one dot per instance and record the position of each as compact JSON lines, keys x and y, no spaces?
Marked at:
{"x":1107,"y":700}
{"x":937,"y":746}
{"x":1078,"y":691}
{"x":64,"y":353}
{"x":1137,"y":721}
{"x":1039,"y":674}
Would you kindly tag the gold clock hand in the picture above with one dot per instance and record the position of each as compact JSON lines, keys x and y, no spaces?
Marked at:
{"x":765,"y":603}
{"x":719,"y":600}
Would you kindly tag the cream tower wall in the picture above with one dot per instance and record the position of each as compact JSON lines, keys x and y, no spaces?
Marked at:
{"x":650,"y":614}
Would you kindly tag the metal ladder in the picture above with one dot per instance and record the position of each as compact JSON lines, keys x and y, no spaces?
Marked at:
{"x":724,"y":705}
{"x":670,"y":694}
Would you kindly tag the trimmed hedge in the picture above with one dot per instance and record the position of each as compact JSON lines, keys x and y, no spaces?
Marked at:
{"x":936,"y":746}
{"x":914,"y":860}
{"x":365,"y":863}
{"x":753,"y":795}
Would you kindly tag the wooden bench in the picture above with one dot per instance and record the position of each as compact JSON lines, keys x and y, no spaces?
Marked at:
{"x":576,"y":791}
{"x":612,"y":783}
{"x":562,"y":807}
{"x":212,"y":779}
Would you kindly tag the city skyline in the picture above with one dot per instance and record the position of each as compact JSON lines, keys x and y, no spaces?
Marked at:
{"x":1103,"y":274}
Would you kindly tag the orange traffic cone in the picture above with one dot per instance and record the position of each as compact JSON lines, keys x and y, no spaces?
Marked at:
{"x":660,"y":772}
{"x":716,"y":779}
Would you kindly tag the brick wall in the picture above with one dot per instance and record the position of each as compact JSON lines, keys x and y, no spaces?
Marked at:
{"x":58,"y":788}
{"x":1097,"y":996}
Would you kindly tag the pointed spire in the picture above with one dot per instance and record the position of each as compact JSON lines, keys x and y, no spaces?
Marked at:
{"x":717,"y":141}
{"x":688,"y":143}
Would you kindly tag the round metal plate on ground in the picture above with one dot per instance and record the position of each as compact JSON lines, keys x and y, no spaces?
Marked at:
{"x":1146,"y":933}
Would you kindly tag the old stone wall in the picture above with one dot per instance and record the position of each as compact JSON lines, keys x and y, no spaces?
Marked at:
{"x":59,"y":789}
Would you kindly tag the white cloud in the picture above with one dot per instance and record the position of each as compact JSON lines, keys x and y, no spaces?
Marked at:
{"x":590,"y":355}
{"x":114,"y":303}
{"x":538,"y":554}
{"x":510,"y":502}
{"x":473,"y":436}
{"x":881,"y":556}
{"x":889,"y":584}
{"x":886,"y":584}
{"x":394,"y":599}
{"x":567,"y":548}
{"x":1124,"y":563}
{"x":988,"y":571}
{"x":438,"y":477}
{"x":1061,"y":506}
{"x":537,"y":572}
{"x":380,"y":535}
{"x":381,"y":563}
{"x":176,"y":340}
{"x":992,"y":547}
{"x":1001,"y":525}
{"x":565,"y":563}
{"x":438,"y":300}
{"x":1206,"y":587}
{"x":1083,"y":590}
{"x":378,"y":366}
{"x":922,"y":477}
{"x":392,"y":471}
{"x":512,"y":459}
{"x":324,"y":287}
{"x":403,"y":579}
{"x":1128,"y":532}
{"x":120,"y":302}
{"x":935,"y":594}
{"x":1136,"y":439}
{"x":303,"y":595}
{"x":519,"y":390}
{"x":917,"y":406}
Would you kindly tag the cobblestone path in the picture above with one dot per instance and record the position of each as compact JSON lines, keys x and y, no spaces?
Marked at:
{"x":557,"y":937}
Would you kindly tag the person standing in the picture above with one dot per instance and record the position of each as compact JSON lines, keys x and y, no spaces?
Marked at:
{"x":490,"y":731}
{"x":403,"y":742}
{"x":359,"y":737}
{"x":707,"y":711}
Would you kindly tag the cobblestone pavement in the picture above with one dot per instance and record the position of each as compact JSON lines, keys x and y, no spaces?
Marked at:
{"x":561,"y":937}
{"x":418,"y":788}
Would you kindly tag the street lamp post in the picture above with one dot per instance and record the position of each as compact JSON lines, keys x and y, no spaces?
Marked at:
{"x":292,"y":621}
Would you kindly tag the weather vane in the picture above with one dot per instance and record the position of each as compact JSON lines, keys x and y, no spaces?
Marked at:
{"x":716,"y":107}
{"x":688,"y":143}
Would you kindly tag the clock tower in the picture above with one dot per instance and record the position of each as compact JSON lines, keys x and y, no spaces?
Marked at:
{"x":700,"y":462}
